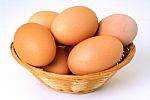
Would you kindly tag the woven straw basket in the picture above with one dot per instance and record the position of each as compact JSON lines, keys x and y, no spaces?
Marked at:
{"x":75,"y":83}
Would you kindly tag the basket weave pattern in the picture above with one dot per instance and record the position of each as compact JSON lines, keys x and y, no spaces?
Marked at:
{"x":75,"y":83}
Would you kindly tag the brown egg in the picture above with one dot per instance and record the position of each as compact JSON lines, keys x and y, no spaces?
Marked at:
{"x":95,"y":54}
{"x":68,"y":49}
{"x":34,"y":44}
{"x":59,"y":64}
{"x":74,"y":25}
{"x":44,"y":18}
{"x":121,"y":26}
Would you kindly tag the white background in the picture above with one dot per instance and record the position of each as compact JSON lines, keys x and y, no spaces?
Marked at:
{"x":130,"y":83}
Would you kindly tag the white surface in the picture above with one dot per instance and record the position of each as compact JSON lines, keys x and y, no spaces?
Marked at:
{"x":131,"y":83}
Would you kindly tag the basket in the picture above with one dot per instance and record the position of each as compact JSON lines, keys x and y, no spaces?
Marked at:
{"x":76,"y":83}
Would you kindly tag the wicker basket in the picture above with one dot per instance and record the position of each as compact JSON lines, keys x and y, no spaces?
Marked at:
{"x":75,"y":83}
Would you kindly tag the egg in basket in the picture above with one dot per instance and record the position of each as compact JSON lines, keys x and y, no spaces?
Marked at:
{"x":96,"y":50}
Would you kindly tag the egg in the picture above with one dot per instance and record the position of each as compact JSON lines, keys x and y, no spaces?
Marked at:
{"x":121,"y":26}
{"x":68,"y":49}
{"x":74,"y":25}
{"x":44,"y":18}
{"x":34,"y":44}
{"x":59,"y":64}
{"x":95,"y":54}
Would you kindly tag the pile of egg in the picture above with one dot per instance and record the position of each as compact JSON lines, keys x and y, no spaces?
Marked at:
{"x":73,"y":41}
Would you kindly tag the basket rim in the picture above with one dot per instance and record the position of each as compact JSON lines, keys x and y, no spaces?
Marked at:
{"x":92,"y":75}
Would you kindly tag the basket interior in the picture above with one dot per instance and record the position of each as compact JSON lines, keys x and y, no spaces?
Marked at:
{"x":128,"y":55}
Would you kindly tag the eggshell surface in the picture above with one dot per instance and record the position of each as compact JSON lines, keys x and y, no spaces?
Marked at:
{"x":68,"y":49}
{"x":95,"y":54}
{"x":121,"y":26}
{"x":74,"y":25}
{"x":59,"y":64}
{"x":34,"y":44}
{"x":44,"y":18}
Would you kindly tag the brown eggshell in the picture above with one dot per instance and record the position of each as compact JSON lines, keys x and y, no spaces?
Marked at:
{"x":95,"y":54}
{"x":34,"y":44}
{"x":68,"y":49}
{"x":74,"y":25}
{"x":121,"y":26}
{"x":44,"y":18}
{"x":59,"y":64}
